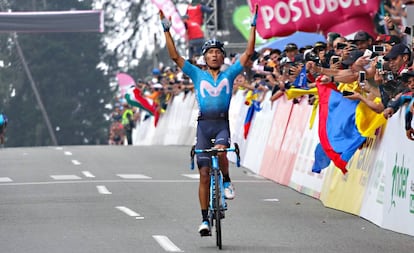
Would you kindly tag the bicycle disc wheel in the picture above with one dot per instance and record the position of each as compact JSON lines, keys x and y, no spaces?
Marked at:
{"x":217,"y":209}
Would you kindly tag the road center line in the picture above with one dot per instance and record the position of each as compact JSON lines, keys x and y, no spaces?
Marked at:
{"x":87,"y":174}
{"x":129,"y":212}
{"x":166,"y":243}
{"x":102,"y":189}
{"x":76,"y":162}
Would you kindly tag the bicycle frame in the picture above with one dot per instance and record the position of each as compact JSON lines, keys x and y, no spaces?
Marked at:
{"x":217,"y":203}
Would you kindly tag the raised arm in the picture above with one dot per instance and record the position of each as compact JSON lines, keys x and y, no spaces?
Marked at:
{"x":174,"y":55}
{"x":244,"y":58}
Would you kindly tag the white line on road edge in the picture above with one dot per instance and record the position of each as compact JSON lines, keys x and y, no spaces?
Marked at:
{"x":65,"y":177}
{"x":133,"y":176}
{"x":87,"y":174}
{"x":192,"y":176}
{"x":102,"y":189}
{"x":5,"y":179}
{"x":166,"y":243}
{"x":271,"y":200}
{"x":130,"y":212}
{"x":76,"y":162}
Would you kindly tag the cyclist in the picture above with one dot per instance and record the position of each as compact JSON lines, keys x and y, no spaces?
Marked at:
{"x":213,"y":89}
{"x":3,"y":125}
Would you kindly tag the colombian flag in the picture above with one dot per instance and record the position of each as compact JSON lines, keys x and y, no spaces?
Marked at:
{"x":344,"y":125}
{"x":254,"y":106}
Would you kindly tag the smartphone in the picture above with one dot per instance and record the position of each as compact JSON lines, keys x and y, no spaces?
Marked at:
{"x":361,"y":77}
{"x":341,"y":45}
{"x":335,"y":59}
{"x":380,"y":64}
{"x":378,"y":49}
{"x":407,"y":30}
{"x":368,"y":53}
{"x":347,"y":93}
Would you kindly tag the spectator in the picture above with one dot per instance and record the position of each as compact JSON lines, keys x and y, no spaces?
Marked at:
{"x":195,"y":37}
{"x":196,"y":12}
{"x":363,"y":40}
{"x":3,"y":126}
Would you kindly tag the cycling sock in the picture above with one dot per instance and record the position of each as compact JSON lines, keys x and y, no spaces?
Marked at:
{"x":226,"y":178}
{"x":204,"y":213}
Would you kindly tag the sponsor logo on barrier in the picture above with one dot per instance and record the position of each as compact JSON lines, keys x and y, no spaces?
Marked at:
{"x":412,"y":203}
{"x":399,"y":181}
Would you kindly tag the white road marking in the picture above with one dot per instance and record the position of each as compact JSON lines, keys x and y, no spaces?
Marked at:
{"x":123,"y":181}
{"x":166,"y":243}
{"x":5,"y":179}
{"x":130,"y":212}
{"x":133,"y":176}
{"x":87,"y":174}
{"x":76,"y":162}
{"x":192,"y":176}
{"x":68,"y":153}
{"x":65,"y":177}
{"x":271,"y":200}
{"x":103,"y":190}
{"x":250,"y":174}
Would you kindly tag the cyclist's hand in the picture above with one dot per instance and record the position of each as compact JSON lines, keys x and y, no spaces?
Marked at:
{"x":254,"y":18}
{"x":165,"y":22}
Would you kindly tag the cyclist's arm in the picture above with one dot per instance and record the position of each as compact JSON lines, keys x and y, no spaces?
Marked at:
{"x":244,"y":58}
{"x":175,"y":56}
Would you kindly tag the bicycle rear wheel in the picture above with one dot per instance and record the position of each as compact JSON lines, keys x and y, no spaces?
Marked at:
{"x":217,"y":212}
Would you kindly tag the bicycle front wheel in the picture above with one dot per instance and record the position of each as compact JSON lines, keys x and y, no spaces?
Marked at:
{"x":217,"y":212}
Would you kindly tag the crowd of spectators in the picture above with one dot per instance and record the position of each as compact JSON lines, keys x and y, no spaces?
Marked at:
{"x":378,"y":71}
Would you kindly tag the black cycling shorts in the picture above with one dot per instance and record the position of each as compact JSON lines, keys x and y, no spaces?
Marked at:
{"x":219,"y":130}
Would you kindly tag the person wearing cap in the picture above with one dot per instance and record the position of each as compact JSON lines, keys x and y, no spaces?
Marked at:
{"x":213,"y":91}
{"x":407,"y":96}
{"x":389,"y":82}
{"x":320,"y":48}
{"x":363,"y":40}
{"x":290,"y":51}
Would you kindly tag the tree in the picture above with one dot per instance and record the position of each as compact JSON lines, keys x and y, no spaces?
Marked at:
{"x":64,"y":68}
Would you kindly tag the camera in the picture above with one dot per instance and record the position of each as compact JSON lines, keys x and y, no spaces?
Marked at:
{"x":312,"y":56}
{"x":388,"y":76}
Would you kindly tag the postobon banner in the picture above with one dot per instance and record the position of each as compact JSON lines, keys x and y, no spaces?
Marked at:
{"x":284,"y":17}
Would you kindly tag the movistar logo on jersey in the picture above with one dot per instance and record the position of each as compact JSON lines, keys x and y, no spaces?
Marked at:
{"x":214,"y":91}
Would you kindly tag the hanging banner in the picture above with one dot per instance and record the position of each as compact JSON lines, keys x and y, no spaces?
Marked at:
{"x":284,"y":17}
{"x":52,"y":21}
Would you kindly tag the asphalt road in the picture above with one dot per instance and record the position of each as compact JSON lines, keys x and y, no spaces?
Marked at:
{"x":144,"y":199}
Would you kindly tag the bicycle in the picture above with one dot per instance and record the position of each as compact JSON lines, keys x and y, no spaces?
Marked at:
{"x":217,"y":203}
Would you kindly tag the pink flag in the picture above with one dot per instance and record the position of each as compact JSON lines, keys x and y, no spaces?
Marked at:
{"x":124,"y":82}
{"x":169,"y":10}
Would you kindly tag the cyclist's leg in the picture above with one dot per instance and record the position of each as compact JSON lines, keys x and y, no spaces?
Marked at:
{"x":203,"y":141}
{"x":223,"y":141}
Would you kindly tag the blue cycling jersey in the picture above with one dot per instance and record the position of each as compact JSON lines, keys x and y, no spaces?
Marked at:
{"x":213,"y":96}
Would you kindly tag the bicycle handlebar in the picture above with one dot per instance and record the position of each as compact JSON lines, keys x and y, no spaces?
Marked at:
{"x":214,"y":151}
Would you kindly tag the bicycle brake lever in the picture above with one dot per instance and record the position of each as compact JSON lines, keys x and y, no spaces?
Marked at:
{"x":192,"y":153}
{"x":237,"y":151}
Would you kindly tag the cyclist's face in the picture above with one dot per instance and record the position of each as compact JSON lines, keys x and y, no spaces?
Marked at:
{"x":214,"y":58}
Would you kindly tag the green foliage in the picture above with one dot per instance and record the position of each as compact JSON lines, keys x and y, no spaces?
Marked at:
{"x":73,"y":91}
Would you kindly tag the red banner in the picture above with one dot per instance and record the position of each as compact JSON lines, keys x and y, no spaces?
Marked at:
{"x":284,"y":17}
